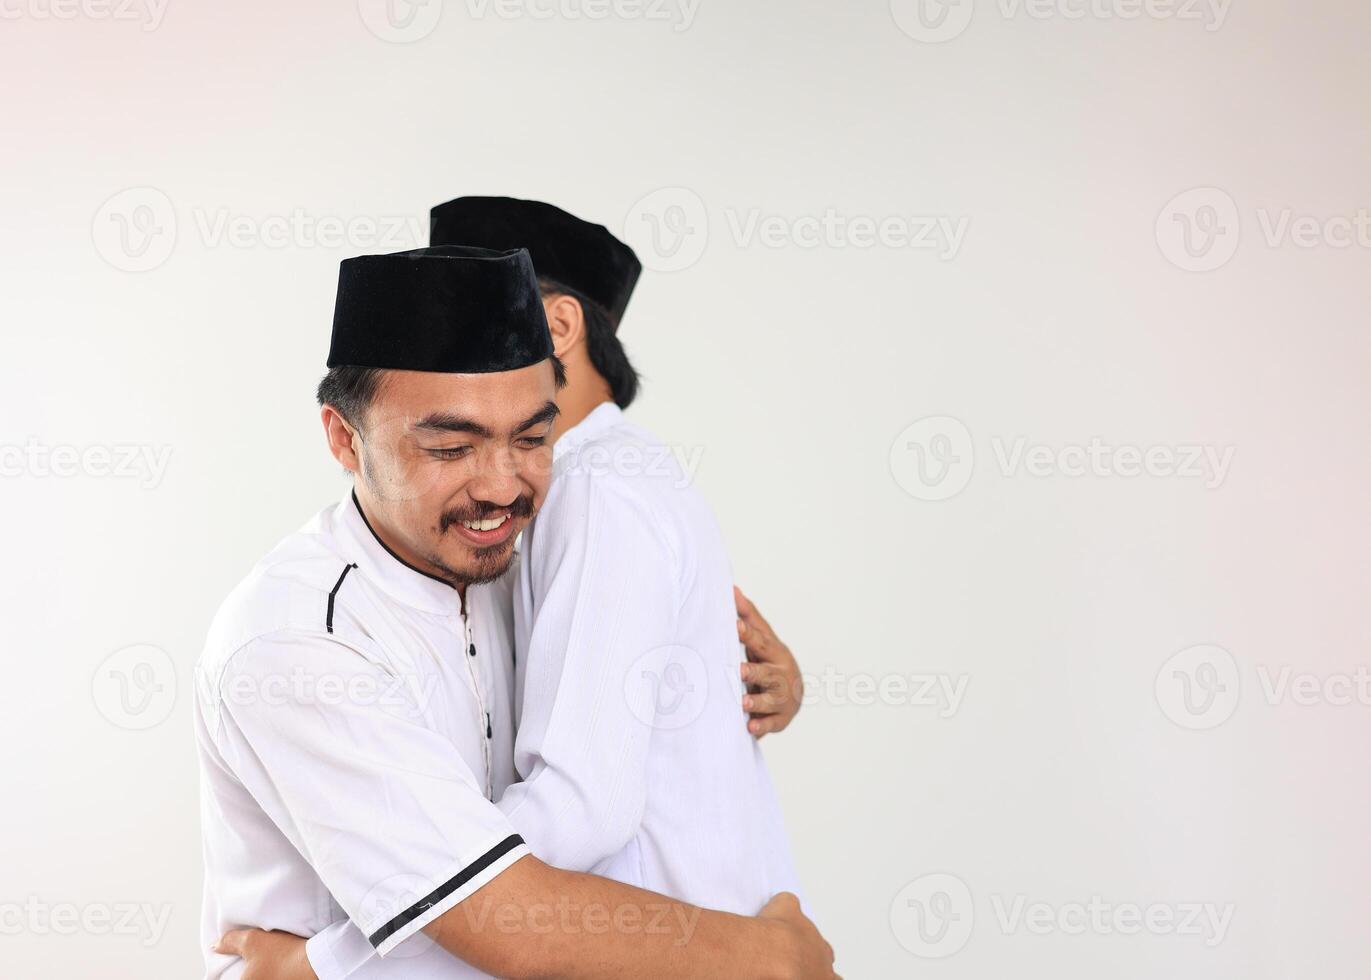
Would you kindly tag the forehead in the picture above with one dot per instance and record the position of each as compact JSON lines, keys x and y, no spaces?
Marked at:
{"x":498,"y":400}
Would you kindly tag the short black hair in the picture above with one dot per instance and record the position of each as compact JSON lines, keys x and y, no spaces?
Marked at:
{"x":606,"y":352}
{"x":351,"y":389}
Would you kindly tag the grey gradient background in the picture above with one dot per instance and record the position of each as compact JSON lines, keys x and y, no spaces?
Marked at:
{"x":1071,"y":311}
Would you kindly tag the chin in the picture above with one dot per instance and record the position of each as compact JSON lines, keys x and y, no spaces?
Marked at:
{"x":488,"y":564}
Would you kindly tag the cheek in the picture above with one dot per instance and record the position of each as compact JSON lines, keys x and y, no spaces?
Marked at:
{"x":447,"y":489}
{"x":536,"y":472}
{"x":388,"y":476}
{"x":400,"y":471}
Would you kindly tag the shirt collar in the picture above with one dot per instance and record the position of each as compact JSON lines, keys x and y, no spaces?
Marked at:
{"x":604,"y":416}
{"x":396,"y":577}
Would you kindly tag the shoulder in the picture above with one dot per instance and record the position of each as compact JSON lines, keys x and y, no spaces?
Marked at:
{"x":627,"y":462}
{"x":286,"y":593}
{"x":626,"y":470}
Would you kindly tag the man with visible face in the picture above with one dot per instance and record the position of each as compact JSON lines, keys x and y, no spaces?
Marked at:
{"x":353,"y":711}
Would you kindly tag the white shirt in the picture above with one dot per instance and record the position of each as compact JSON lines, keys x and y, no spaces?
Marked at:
{"x":352,"y":726}
{"x":631,"y":741}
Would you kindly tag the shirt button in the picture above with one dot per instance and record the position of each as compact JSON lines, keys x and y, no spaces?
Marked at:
{"x":472,"y":649}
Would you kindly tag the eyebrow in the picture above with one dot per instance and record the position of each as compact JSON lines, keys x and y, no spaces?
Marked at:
{"x":545,"y":414}
{"x":451,"y":422}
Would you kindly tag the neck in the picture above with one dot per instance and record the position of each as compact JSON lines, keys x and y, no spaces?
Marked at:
{"x":585,"y":392}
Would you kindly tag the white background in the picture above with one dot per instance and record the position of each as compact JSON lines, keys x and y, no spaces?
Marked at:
{"x":1071,"y":311}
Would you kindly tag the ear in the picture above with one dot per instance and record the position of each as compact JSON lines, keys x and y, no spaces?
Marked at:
{"x":341,"y":438}
{"x":567,"y":321}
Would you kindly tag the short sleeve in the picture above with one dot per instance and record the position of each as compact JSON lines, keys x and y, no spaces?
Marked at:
{"x":335,"y":750}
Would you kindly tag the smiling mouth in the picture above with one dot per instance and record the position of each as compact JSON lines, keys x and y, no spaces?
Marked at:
{"x":489,"y":524}
{"x":486,"y":532}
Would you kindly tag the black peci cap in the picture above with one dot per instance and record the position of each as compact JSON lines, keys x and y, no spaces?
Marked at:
{"x":456,"y":310}
{"x":573,"y":253}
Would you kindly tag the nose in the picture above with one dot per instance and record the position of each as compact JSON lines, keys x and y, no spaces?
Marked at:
{"x":496,"y":483}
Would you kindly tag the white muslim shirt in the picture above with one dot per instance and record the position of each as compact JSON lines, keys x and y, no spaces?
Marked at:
{"x":632,"y":741}
{"x":353,"y":725}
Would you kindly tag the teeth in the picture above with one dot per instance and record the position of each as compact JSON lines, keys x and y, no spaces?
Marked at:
{"x":489,"y":524}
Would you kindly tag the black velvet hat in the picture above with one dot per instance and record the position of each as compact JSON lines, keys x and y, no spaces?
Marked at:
{"x":455,"y":310}
{"x":566,"y":250}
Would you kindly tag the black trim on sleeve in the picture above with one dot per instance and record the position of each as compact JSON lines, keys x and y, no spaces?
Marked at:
{"x":444,"y":890}
{"x":328,"y":619}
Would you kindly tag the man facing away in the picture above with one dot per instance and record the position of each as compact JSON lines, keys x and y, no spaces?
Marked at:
{"x":346,"y":722}
{"x":624,"y":588}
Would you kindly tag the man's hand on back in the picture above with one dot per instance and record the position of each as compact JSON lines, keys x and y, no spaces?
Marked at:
{"x":268,"y":955}
{"x":812,"y":955}
{"x":774,"y":685}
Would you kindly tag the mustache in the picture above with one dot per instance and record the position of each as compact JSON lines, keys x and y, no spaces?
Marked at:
{"x":521,"y":507}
